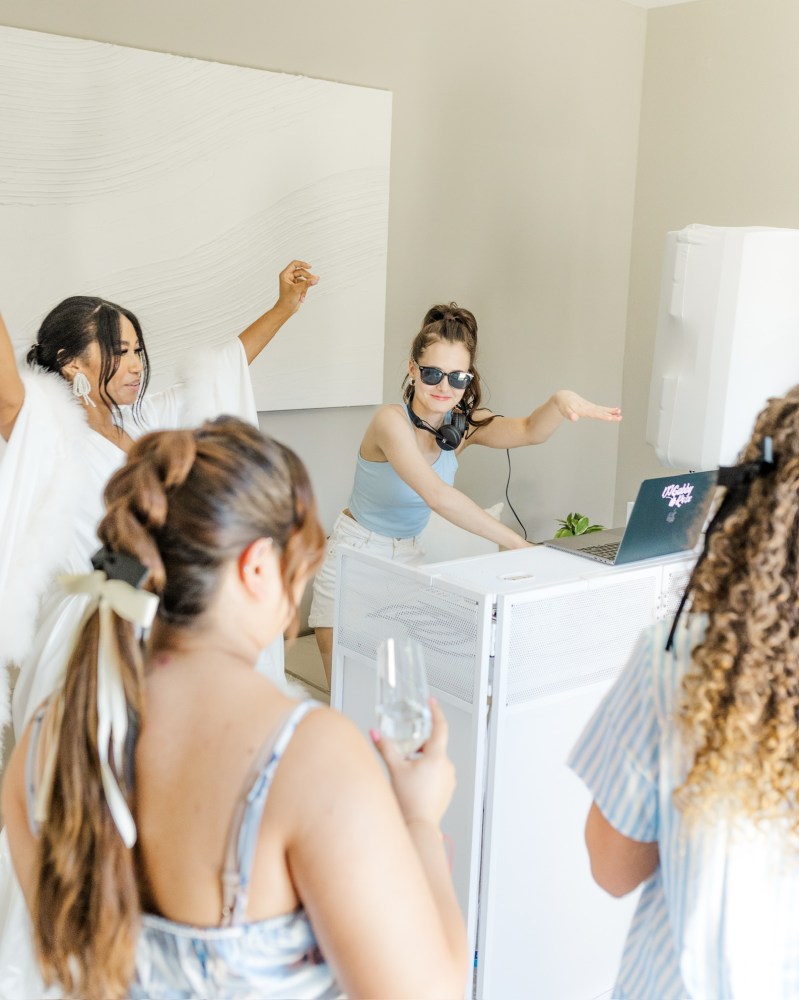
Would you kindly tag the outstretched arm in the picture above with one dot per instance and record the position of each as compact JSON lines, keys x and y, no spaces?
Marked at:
{"x":393,"y":437}
{"x":12,"y":392}
{"x":514,"y":432}
{"x":294,"y":282}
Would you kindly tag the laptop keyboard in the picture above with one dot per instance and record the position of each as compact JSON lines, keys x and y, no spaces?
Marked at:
{"x":606,"y":551}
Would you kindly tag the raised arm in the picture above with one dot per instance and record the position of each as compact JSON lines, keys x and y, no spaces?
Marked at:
{"x":369,"y":867}
{"x":12,"y":392}
{"x":515,"y":432}
{"x":294,"y":282}
{"x":393,"y":436}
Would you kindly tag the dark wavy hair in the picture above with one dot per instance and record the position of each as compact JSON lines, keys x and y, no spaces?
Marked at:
{"x":450,"y":324}
{"x":69,"y":329}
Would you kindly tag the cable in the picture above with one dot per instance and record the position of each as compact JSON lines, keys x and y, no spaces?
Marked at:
{"x":507,"y":485}
{"x":469,"y":433}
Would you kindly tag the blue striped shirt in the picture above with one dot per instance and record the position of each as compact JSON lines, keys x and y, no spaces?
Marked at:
{"x":720,"y":917}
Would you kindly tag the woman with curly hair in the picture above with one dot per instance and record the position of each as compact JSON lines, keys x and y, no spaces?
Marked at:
{"x":692,"y":759}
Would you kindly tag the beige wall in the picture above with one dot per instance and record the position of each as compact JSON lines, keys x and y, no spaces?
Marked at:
{"x":514,"y":145}
{"x":720,"y":146}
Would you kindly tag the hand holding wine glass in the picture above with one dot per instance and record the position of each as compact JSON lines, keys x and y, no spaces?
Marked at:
{"x":403,"y":713}
{"x":423,"y":784}
{"x":423,"y":781}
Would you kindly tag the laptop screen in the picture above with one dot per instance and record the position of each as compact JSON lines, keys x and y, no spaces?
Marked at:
{"x":668,"y":515}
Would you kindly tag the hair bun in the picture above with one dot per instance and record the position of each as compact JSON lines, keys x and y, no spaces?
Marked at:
{"x":451,"y":312}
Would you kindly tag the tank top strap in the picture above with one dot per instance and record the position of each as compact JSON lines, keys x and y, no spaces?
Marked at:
{"x":243,"y":838}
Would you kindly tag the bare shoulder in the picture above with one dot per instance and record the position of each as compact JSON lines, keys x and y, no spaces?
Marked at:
{"x":331,"y":760}
{"x":391,"y":421}
{"x":391,"y":415}
{"x":389,"y":424}
{"x":330,"y":734}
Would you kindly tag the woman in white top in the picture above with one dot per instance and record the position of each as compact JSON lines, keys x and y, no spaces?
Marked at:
{"x":693,"y":757}
{"x":67,"y":423}
{"x":407,"y":460}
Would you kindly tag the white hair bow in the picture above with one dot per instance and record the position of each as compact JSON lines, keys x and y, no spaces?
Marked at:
{"x":137,"y":607}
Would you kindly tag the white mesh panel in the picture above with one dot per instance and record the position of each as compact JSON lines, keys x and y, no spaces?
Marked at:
{"x":674,"y":583}
{"x":376,"y":604}
{"x":577,"y":638}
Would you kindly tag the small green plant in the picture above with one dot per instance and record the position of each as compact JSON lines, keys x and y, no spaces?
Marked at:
{"x":576,"y":524}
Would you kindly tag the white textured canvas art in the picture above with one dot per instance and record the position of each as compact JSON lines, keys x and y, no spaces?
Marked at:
{"x":179,"y":188}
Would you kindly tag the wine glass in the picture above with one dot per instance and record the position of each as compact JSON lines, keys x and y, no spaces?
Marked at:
{"x":403,"y":712}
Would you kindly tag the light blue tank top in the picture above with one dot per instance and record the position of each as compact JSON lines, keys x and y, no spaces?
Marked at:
{"x":256,"y":960}
{"x":384,"y":503}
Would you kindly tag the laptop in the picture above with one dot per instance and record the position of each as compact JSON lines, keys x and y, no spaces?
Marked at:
{"x":667,"y":518}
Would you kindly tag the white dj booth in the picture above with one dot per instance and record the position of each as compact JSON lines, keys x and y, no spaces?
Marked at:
{"x":520,"y":648}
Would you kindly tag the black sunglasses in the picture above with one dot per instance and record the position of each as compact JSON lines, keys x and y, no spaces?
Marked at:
{"x":432,"y":376}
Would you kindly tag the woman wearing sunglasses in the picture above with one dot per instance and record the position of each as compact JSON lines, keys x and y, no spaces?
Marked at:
{"x":409,"y":454}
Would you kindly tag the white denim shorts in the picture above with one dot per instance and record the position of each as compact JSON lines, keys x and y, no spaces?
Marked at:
{"x":347,"y":531}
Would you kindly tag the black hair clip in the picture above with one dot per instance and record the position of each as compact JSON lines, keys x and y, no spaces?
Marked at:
{"x":120,"y":566}
{"x":737,"y":479}
{"x":734,"y":476}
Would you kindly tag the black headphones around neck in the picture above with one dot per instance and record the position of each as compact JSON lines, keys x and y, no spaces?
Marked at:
{"x":449,"y":435}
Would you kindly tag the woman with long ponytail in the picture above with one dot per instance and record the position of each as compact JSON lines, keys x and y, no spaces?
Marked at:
{"x":166,"y":804}
{"x":81,"y":848}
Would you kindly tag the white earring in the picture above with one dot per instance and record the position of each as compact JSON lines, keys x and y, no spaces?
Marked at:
{"x":81,"y":389}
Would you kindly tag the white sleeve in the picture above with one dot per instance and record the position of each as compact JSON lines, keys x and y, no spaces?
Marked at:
{"x":215,"y":381}
{"x":39,"y":499}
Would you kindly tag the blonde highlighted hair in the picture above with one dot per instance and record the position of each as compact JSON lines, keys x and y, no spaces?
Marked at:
{"x":740,"y":705}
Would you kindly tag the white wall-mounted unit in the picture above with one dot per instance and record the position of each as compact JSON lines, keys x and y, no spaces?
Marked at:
{"x":727,"y":340}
